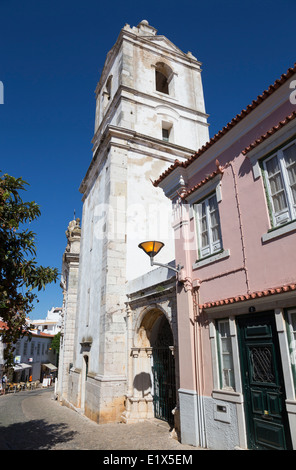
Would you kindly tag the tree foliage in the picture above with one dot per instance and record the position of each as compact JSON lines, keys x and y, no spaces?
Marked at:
{"x":55,"y":343}
{"x":19,"y":272}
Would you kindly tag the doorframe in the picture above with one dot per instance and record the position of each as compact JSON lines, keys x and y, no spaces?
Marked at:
{"x":276,"y":317}
{"x":84,"y":372}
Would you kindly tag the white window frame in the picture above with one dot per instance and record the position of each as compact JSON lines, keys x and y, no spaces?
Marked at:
{"x":287,"y":214}
{"x":213,"y":246}
{"x":228,"y":384}
{"x":291,"y":325}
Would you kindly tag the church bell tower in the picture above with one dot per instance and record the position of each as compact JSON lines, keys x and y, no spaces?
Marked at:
{"x":149,"y":112}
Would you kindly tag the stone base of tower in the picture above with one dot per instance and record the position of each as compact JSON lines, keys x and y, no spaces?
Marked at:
{"x":137,"y":409}
{"x":110,"y":412}
{"x":100,"y":398}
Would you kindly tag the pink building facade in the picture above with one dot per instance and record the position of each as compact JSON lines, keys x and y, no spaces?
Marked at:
{"x":234,"y":219}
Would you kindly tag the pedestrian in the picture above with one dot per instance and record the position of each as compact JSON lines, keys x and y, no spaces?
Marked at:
{"x":4,"y":381}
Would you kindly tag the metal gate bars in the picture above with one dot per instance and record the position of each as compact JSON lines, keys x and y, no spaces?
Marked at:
{"x":164,"y":384}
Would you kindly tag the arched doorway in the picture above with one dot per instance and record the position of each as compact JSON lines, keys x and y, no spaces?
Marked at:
{"x":151,"y":378}
{"x":163,"y":371}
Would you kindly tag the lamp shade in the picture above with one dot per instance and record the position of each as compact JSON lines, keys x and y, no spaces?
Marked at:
{"x":151,"y":248}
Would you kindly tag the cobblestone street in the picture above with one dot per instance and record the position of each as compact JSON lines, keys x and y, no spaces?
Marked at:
{"x":33,"y":420}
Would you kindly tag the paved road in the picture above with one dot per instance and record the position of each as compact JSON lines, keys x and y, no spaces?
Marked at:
{"x":33,"y":420}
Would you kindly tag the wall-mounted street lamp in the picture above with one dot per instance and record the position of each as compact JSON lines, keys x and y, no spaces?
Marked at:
{"x":151,"y":248}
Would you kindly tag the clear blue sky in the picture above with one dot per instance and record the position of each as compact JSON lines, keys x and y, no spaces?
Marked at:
{"x":51,"y":56}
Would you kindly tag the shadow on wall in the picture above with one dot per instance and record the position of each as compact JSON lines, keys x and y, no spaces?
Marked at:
{"x":142,"y":383}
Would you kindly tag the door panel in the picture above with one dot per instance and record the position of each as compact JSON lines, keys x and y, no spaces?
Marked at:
{"x":263,"y":383}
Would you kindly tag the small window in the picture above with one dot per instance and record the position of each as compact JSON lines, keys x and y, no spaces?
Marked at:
{"x":225,"y":355}
{"x":108,"y":87}
{"x":209,"y":232}
{"x":162,"y":84}
{"x":163,"y":77}
{"x":167,"y":131}
{"x":280,"y":177}
{"x":106,"y":96}
{"x":165,"y":134}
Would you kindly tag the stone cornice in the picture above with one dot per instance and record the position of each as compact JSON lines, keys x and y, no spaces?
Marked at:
{"x":128,"y":139}
{"x":119,"y":95}
{"x":71,"y":257}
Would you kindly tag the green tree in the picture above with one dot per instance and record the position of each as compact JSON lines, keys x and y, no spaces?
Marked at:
{"x":19,"y":272}
{"x":55,"y":343}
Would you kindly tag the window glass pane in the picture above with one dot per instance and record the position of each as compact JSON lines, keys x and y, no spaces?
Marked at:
{"x":279,"y":202}
{"x":276,"y":184}
{"x":204,"y":239}
{"x":204,"y":226}
{"x":226,"y":355}
{"x":293,"y":324}
{"x":212,"y":203}
{"x":226,"y":345}
{"x":272,"y":166}
{"x":209,"y":226}
{"x":165,"y":134}
{"x":290,"y":161}
{"x":214,"y":218}
{"x":228,"y":378}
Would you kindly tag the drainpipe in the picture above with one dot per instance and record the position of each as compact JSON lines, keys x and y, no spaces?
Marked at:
{"x":240,"y":226}
{"x":197,"y":342}
{"x":199,"y":364}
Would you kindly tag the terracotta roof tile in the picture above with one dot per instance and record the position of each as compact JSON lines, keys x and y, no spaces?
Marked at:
{"x":271,"y":89}
{"x":253,"y":295}
{"x":270,"y":132}
{"x":219,"y":171}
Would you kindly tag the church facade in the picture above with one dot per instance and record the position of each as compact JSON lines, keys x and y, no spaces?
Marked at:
{"x":120,"y":362}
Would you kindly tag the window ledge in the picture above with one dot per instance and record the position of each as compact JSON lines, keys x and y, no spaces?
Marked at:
{"x":211,"y":259}
{"x":279,"y":231}
{"x":163,"y":95}
{"x":227,"y":395}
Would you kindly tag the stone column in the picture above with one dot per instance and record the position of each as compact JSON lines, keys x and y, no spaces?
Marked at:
{"x":69,"y":284}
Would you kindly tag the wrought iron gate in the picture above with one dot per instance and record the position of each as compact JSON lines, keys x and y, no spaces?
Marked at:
{"x":164,"y":396}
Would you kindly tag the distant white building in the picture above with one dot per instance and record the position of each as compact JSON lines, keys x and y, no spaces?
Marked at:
{"x":33,"y":357}
{"x":52,"y":323}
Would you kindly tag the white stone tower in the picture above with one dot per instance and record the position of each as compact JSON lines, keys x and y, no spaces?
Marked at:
{"x":149,"y":112}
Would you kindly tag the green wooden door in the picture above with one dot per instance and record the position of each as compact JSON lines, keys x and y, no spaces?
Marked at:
{"x":263,"y":383}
